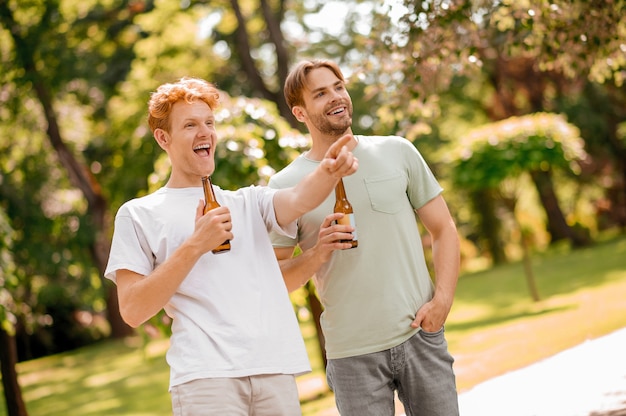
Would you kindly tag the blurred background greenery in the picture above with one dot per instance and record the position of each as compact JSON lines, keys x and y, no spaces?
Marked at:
{"x":519,"y":108}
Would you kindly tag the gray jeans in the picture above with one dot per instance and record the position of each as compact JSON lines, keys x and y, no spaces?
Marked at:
{"x":420,"y":369}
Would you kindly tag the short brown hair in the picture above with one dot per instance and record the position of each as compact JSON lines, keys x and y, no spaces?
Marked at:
{"x":296,"y":80}
{"x":188,"y":89}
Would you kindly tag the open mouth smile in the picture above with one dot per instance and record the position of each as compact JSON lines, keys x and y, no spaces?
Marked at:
{"x":336,"y":111}
{"x":203,"y":150}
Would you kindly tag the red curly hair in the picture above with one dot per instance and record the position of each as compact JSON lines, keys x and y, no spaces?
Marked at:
{"x":188,"y":89}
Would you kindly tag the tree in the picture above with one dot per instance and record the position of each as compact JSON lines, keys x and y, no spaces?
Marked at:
{"x":256,"y":51}
{"x":434,"y":42}
{"x":527,"y":56}
{"x":493,"y":156}
{"x":8,"y":311}
{"x":30,"y":51}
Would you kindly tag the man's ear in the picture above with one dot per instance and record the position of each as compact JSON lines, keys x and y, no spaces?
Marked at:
{"x":161,"y":137}
{"x":299,"y":113}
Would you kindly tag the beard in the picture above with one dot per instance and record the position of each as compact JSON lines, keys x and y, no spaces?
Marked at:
{"x":334,"y":128}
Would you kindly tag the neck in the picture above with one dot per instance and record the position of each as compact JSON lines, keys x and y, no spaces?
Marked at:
{"x":321,"y":143}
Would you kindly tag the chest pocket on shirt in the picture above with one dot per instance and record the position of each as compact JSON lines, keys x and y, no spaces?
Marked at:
{"x":387,"y":193}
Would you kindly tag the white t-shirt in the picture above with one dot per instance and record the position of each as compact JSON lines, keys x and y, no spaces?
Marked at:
{"x":371,"y":293}
{"x":232,"y":316}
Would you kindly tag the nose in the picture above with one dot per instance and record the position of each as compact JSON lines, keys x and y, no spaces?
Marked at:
{"x":336,"y":95}
{"x":205,"y":130}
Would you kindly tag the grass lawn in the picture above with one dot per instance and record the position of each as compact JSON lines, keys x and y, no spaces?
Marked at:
{"x":494,"y":327}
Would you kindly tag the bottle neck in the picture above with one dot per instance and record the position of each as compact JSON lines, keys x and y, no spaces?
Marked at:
{"x":340,"y":191}
{"x":209,"y":195}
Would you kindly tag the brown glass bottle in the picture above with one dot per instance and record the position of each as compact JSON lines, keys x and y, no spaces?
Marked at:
{"x":211,"y":203}
{"x":343,"y":205}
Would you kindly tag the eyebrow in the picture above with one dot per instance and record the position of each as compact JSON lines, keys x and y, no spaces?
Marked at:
{"x":211,"y":117}
{"x":339,"y":82}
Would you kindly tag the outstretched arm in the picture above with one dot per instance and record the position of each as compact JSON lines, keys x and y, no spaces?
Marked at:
{"x":312,"y":190}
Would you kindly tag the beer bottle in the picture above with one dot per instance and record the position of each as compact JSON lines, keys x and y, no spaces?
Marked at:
{"x":211,"y":203}
{"x":343,"y":205}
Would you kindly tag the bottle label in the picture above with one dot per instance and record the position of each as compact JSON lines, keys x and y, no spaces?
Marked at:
{"x":348,"y":219}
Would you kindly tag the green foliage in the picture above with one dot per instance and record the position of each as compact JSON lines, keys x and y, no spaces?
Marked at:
{"x":489,"y":154}
{"x":254,"y":142}
{"x":594,"y":109}
{"x":69,"y":79}
{"x":521,"y":57}
{"x":575,"y":38}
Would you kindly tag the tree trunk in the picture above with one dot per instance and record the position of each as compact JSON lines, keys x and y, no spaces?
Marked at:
{"x":528,"y":264}
{"x":244,"y":51}
{"x":80,"y":176}
{"x":484,"y":205}
{"x":618,"y":194}
{"x":525,"y":243}
{"x":557,"y":226}
{"x":8,"y":360}
{"x":316,"y":311}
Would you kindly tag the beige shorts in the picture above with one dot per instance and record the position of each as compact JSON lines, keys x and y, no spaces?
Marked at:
{"x":261,"y":395}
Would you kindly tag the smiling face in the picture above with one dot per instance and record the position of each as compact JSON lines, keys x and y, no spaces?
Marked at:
{"x":190,"y":142}
{"x":327,"y":105}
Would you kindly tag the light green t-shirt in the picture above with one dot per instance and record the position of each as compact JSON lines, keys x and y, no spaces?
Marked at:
{"x":371,"y":293}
